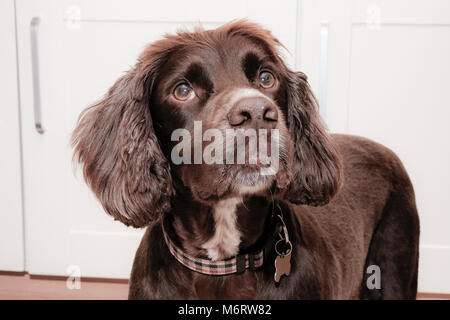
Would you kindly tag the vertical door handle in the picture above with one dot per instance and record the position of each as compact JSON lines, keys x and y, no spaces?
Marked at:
{"x":34,"y":30}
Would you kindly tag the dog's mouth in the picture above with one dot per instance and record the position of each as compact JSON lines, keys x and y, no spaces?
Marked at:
{"x":232,"y":169}
{"x":252,"y":176}
{"x":232,"y":180}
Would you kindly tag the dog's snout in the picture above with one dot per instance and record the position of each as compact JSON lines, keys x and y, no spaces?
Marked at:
{"x":257,"y":112}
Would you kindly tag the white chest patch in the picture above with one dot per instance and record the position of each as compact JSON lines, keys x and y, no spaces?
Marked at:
{"x":226,"y":239}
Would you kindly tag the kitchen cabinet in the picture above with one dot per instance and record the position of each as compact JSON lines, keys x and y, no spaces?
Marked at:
{"x":380,"y":69}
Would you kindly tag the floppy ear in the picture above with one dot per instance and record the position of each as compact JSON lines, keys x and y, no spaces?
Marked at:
{"x":316,"y":167}
{"x":122,"y":161}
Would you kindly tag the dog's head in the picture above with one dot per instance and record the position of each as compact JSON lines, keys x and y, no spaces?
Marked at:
{"x":164,"y":127}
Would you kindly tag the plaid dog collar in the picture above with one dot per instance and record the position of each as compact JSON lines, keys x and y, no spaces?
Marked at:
{"x":236,"y":264}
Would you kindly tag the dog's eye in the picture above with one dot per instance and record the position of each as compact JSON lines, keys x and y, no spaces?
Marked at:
{"x":266,"y":79}
{"x":183,"y":92}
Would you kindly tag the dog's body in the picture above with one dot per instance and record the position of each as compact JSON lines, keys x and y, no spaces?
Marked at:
{"x":347,"y":202}
{"x":372,"y":221}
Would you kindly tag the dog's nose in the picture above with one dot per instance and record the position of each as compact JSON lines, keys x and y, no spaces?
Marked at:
{"x":256,"y":112}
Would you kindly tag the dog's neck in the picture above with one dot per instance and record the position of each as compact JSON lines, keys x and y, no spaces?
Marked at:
{"x":220,"y":230}
{"x":227,"y":236}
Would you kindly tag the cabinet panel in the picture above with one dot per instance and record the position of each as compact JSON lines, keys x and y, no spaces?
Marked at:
{"x":11,"y":226}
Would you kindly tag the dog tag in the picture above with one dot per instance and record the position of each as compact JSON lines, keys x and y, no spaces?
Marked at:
{"x":282,"y":266}
{"x":283,"y":248}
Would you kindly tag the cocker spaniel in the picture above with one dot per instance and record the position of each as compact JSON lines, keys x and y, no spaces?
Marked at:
{"x":215,"y":146}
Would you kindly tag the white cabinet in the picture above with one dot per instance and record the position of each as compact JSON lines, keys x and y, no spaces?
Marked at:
{"x":81,"y":48}
{"x":382,"y":70}
{"x":11,"y":225}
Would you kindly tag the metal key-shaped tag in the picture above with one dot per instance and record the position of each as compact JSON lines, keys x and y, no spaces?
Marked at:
{"x":282,"y":266}
{"x":283,"y":248}
{"x":283,"y":260}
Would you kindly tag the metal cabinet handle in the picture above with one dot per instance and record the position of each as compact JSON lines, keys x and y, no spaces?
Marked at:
{"x":323,"y":71}
{"x":34,"y":29}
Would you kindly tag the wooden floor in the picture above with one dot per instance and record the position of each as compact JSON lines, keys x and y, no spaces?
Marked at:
{"x":20,"y":286}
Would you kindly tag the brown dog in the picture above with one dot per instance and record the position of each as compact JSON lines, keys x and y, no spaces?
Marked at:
{"x":337,"y":203}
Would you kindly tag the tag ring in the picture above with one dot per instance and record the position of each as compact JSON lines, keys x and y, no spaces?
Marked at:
{"x":287,"y":251}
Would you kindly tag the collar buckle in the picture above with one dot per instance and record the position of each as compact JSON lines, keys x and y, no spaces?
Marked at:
{"x":240,"y":263}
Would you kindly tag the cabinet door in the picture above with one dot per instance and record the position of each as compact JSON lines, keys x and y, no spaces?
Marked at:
{"x":382,"y":70}
{"x":81,"y":48}
{"x":11,"y":226}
